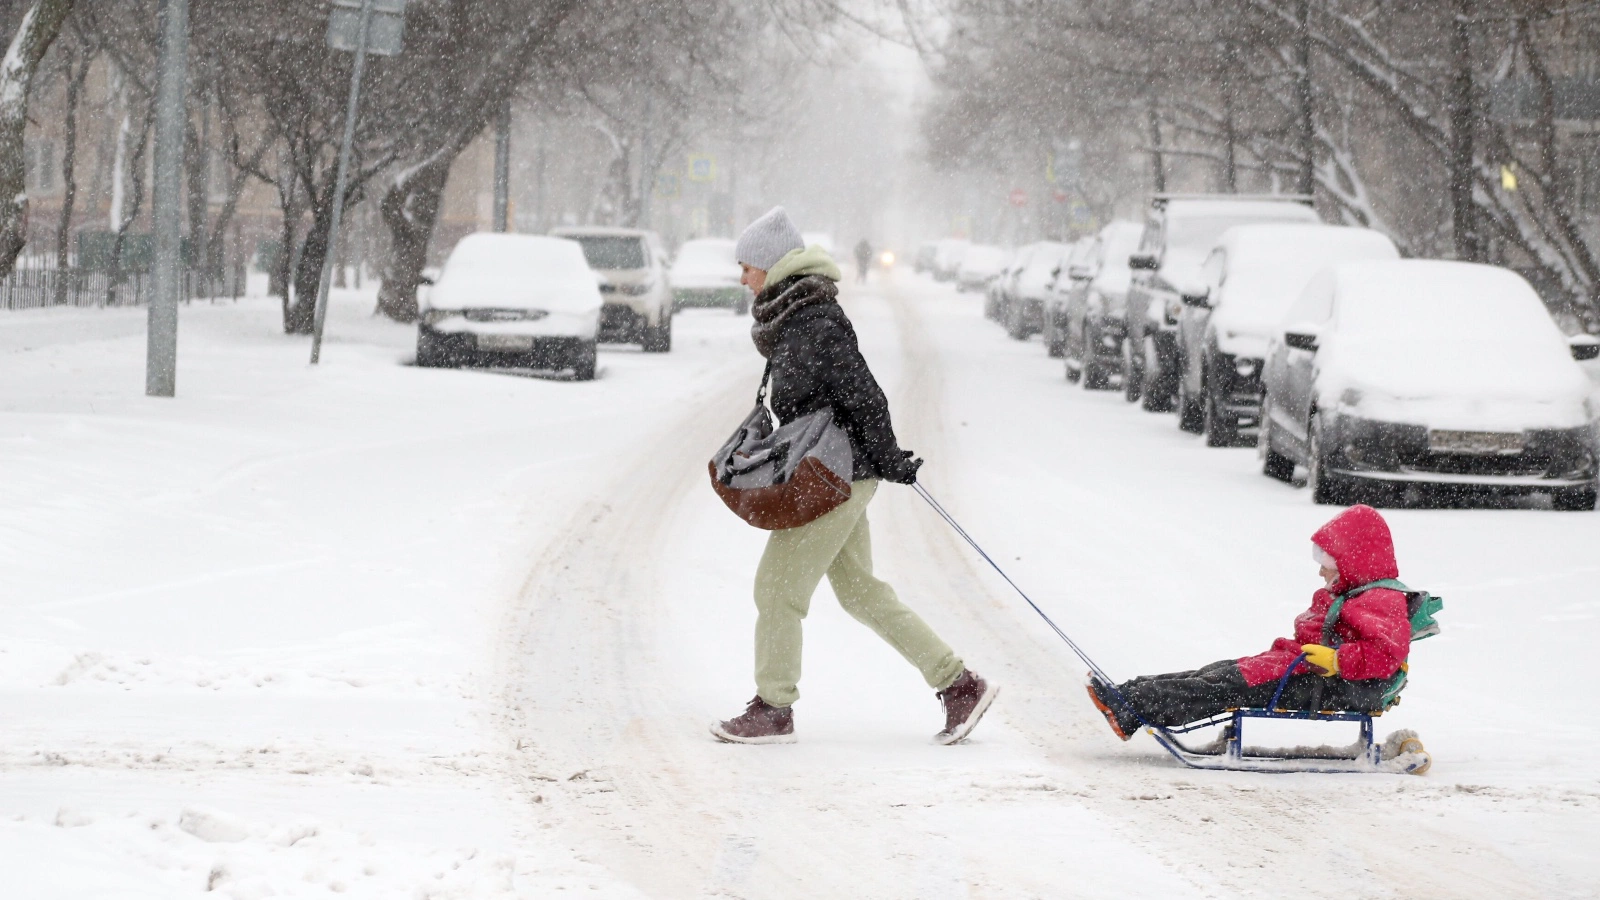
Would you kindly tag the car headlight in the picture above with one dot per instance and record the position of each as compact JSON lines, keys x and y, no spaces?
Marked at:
{"x":435,"y":316}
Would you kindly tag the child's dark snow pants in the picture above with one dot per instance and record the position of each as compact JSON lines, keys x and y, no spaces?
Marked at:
{"x":1179,"y":698}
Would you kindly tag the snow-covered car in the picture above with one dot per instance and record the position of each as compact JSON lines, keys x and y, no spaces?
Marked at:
{"x":1180,"y":229}
{"x":705,"y":273}
{"x":947,"y":254}
{"x":1023,"y":310}
{"x":1074,"y":268}
{"x":512,"y":299}
{"x":1387,"y":375}
{"x":995,"y":295}
{"x":1247,"y":285}
{"x":633,"y":281}
{"x":979,"y":265}
{"x":1094,"y":320}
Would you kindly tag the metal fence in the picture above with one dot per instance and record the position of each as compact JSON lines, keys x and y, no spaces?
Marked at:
{"x":36,"y":287}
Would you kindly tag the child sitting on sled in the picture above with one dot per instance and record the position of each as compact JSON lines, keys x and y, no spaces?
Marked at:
{"x":1347,"y":667}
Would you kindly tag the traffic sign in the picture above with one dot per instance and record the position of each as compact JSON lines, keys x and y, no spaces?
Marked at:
{"x":1019,"y":197}
{"x":702,"y":167}
{"x":385,"y":36}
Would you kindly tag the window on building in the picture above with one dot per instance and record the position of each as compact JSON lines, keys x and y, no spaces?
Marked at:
{"x":39,"y":161}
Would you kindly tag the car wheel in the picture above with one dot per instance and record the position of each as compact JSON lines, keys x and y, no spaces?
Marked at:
{"x":1191,"y":417}
{"x":1219,"y":432}
{"x":1326,"y":488}
{"x":584,"y":361}
{"x":659,"y":338}
{"x":1574,"y":499}
{"x":1158,"y":394}
{"x":1013,"y":322}
{"x":429,"y":354}
{"x":1095,"y":376}
{"x":1053,"y":345}
{"x":1132,"y":372}
{"x":1273,"y":464}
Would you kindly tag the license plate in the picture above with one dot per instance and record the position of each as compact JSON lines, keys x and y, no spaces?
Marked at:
{"x":505,"y":342}
{"x":1483,"y":443}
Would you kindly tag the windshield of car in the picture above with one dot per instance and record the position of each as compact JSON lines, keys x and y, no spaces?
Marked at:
{"x":1449,"y":303}
{"x":1120,"y":243}
{"x":612,"y":251}
{"x":1272,"y":265}
{"x":514,"y":256}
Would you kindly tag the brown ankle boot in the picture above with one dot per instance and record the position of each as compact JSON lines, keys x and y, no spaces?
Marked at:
{"x":761,"y":723}
{"x":965,"y":701}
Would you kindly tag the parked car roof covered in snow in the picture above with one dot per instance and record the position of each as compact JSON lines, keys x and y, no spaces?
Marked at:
{"x":1447,"y":344}
{"x":1256,"y":272}
{"x":515,"y":271}
{"x":704,"y":263}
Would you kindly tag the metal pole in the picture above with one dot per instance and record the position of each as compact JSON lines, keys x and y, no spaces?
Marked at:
{"x":502,"y":169}
{"x":161,"y":346}
{"x":325,"y":283}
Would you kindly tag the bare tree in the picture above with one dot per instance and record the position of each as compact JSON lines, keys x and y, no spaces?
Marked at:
{"x":40,"y":24}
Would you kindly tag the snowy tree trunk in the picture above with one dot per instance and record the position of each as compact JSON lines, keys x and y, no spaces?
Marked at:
{"x":1230,"y":130}
{"x":1305,"y":117}
{"x":308,"y":268}
{"x":76,"y":76}
{"x":410,"y":210}
{"x":283,"y":268}
{"x":39,"y":27}
{"x":1158,"y":163}
{"x":1463,"y":211}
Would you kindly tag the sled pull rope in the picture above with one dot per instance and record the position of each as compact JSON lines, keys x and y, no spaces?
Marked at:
{"x":1093,"y":667}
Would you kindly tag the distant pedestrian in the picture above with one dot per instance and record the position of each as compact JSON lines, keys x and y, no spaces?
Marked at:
{"x":863,"y":260}
{"x":816,"y":363}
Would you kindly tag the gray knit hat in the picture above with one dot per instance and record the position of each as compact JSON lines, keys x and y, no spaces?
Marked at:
{"x":768,"y":239}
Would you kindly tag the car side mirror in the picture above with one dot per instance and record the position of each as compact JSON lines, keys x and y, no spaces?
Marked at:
{"x":1585,"y":347}
{"x":1199,"y":298}
{"x":1142,"y":262}
{"x":1301,"y":337}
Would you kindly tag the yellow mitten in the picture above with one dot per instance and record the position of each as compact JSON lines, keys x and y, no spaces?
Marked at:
{"x":1322,"y":660}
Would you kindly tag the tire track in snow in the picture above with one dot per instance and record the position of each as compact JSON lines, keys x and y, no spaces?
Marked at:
{"x":1248,"y":833}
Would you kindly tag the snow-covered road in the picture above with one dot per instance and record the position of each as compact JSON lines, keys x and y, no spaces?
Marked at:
{"x":404,"y":631}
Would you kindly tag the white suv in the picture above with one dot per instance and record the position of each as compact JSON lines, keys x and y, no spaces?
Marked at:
{"x":633,"y":283}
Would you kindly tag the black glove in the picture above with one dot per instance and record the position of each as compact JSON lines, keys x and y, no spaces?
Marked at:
{"x":903,"y":470}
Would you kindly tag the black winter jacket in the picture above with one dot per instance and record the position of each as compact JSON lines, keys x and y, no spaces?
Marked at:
{"x":816,"y":363}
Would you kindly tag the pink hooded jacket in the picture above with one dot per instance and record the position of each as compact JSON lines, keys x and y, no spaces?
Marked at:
{"x":1373,"y":628}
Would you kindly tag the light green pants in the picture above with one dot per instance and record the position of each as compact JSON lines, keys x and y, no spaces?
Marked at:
{"x":838,"y":545}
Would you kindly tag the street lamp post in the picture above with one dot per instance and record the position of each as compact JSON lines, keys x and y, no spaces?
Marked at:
{"x":502,"y":168}
{"x":166,"y":274}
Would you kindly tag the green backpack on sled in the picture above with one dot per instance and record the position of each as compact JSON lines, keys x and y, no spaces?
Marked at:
{"x":1421,"y":607}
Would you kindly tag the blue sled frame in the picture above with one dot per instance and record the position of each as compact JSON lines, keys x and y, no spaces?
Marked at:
{"x":1228,"y":752}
